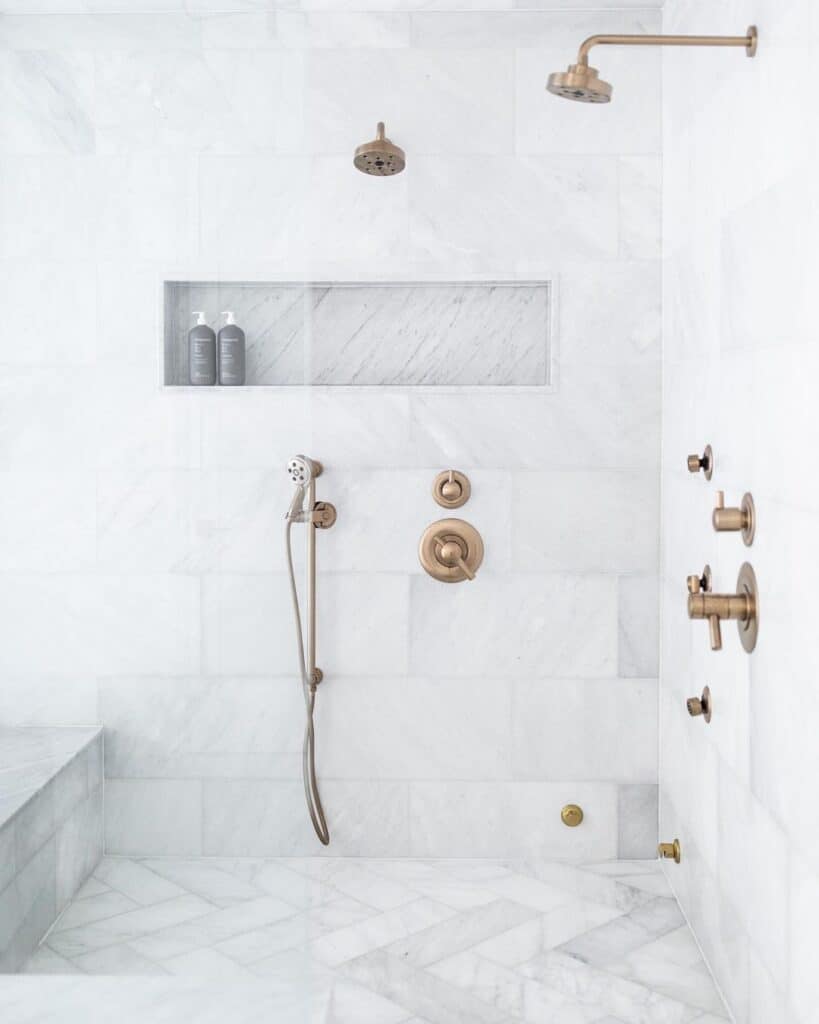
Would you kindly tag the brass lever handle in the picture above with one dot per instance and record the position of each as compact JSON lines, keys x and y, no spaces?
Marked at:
{"x":735,"y":519}
{"x":449,"y":553}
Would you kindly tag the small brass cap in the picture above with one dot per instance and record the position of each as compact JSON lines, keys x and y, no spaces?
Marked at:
{"x":670,"y":851}
{"x":704,"y":462}
{"x":700,"y":705}
{"x":572,"y":815}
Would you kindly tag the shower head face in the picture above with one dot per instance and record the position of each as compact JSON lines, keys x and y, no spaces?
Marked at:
{"x":581,"y":84}
{"x":380,"y":157}
{"x":302,"y":470}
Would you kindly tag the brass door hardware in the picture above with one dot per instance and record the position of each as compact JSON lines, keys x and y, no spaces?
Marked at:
{"x":670,"y":851}
{"x":572,"y":815}
{"x":743,"y":606}
{"x":451,"y":489}
{"x":735,"y":519}
{"x":702,"y":463}
{"x":701,"y":705}
{"x":451,"y":550}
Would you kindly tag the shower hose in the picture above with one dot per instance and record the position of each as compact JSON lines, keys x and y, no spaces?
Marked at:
{"x":308,"y":753}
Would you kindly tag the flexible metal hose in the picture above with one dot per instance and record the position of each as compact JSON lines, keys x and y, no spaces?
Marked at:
{"x":308,"y":755}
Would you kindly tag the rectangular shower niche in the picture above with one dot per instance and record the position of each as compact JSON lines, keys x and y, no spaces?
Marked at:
{"x":399,"y":334}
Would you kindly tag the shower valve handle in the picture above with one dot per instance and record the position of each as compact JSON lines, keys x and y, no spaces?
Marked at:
{"x":449,"y":552}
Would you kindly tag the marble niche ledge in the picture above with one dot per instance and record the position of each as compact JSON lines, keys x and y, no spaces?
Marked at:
{"x":402,"y":334}
{"x":51,"y":829}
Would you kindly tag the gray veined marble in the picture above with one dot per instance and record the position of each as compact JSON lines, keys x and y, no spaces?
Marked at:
{"x":380,"y":942}
{"x":433,"y":334}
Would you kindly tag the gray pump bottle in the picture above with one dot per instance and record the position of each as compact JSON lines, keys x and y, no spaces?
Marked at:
{"x":231,"y":352}
{"x":201,"y":352}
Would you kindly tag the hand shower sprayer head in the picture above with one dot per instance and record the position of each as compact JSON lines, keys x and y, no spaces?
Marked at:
{"x":302,"y":471}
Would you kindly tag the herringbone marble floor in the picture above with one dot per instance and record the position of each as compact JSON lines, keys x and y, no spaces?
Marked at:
{"x":391,"y":941}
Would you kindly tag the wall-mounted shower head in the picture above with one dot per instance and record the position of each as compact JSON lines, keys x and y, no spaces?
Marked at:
{"x":580,"y":83}
{"x":380,"y":157}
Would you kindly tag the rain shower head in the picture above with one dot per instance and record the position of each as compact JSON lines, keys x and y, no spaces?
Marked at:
{"x":380,"y":157}
{"x":580,"y":83}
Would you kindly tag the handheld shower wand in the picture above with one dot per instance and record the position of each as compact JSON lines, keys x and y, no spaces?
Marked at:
{"x":316,"y":515}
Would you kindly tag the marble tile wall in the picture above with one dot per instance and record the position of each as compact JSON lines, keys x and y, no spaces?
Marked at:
{"x":51,"y":830}
{"x":141,"y":546}
{"x":411,"y":333}
{"x":740,"y":361}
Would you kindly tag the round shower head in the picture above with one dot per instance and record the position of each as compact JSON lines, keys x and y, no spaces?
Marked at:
{"x":302,"y":470}
{"x":380,"y":156}
{"x":579,"y":83}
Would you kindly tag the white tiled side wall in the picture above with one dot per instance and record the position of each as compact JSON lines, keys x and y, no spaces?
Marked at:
{"x":141,"y":545}
{"x":740,"y":366}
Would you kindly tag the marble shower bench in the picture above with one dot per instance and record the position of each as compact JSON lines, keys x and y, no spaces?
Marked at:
{"x":51,"y":829}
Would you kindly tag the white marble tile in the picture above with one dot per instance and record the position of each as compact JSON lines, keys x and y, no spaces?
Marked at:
{"x":557,"y":527}
{"x":620,"y":732}
{"x":120,"y":960}
{"x":47,"y":103}
{"x":94,"y":908}
{"x":192,"y":726}
{"x":638,"y":626}
{"x":640,"y":181}
{"x":364,"y":734}
{"x":128,"y":927}
{"x":447,"y":223}
{"x":539,"y":618}
{"x":497,"y":819}
{"x":545,"y":932}
{"x":153,"y":816}
{"x":187,"y":101}
{"x":136,"y":881}
{"x":348,"y":943}
{"x":264,"y":818}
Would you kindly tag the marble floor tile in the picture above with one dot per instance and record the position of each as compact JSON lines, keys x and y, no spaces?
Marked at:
{"x":347,"y":941}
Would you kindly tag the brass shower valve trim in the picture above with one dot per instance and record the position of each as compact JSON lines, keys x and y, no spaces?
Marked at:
{"x":451,"y":550}
{"x":743,"y":607}
{"x":451,"y":489}
{"x":698,"y":583}
{"x":702,"y":463}
{"x":737,"y":520}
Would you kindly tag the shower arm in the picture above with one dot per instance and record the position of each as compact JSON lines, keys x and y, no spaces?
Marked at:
{"x":748,"y":41}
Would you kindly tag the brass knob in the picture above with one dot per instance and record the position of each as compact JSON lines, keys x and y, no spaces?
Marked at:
{"x":704,"y":463}
{"x":670,"y":851}
{"x":700,"y":705}
{"x":696,"y":584}
{"x":572,"y":815}
{"x":451,"y":489}
{"x":741,"y":519}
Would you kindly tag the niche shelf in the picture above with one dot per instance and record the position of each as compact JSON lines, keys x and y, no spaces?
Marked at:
{"x":474,"y":333}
